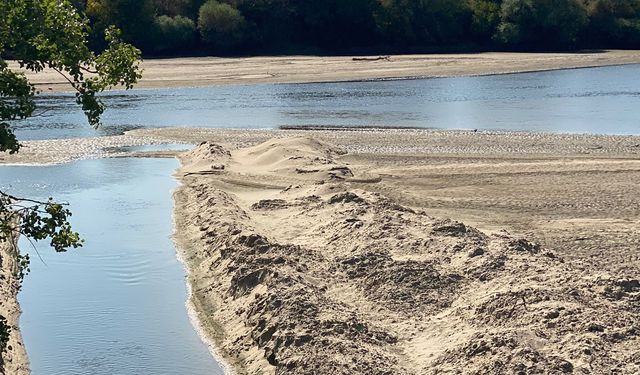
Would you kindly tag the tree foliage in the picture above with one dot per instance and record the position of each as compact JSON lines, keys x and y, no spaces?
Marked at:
{"x":5,"y":331}
{"x":270,"y":23}
{"x":339,"y":24}
{"x":136,"y":19}
{"x":50,"y":34}
{"x":613,"y":23}
{"x":220,"y":24}
{"x":290,"y":26}
{"x":548,"y":23}
{"x":485,"y":18}
{"x":174,"y":34}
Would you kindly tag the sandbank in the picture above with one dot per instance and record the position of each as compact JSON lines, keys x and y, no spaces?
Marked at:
{"x":206,"y":71}
{"x":307,"y":257}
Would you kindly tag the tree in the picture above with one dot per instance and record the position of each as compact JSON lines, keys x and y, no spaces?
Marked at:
{"x":338,"y":24}
{"x":541,"y":23}
{"x":173,"y":7}
{"x":221,"y":25}
{"x":136,"y":19}
{"x":174,"y":33}
{"x":485,"y":17}
{"x":614,"y":23}
{"x":271,"y":23}
{"x":424,"y":22}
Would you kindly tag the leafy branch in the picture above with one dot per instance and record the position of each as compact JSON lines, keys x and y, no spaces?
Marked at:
{"x":35,"y":220}
{"x":38,"y":220}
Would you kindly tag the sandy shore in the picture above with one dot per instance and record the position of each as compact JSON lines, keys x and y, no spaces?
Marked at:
{"x":189,"y":72}
{"x":577,"y":192}
{"x":14,"y":360}
{"x":304,"y":258}
{"x":309,"y":260}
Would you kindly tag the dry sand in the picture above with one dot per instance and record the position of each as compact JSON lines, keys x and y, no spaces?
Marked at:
{"x":204,"y":71}
{"x":14,"y":361}
{"x":306,"y":260}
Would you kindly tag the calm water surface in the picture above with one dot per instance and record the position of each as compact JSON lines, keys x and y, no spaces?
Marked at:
{"x":117,"y":305}
{"x":596,"y":100}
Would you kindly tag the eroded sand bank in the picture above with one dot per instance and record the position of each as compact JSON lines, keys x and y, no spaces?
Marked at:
{"x":204,"y":71}
{"x":14,"y":359}
{"x":306,"y":259}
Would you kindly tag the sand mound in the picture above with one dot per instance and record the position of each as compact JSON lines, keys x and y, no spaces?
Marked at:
{"x":324,"y":279}
{"x":301,"y":158}
{"x":207,"y":157}
{"x":298,"y":156}
{"x":278,"y":150}
{"x":207,"y":151}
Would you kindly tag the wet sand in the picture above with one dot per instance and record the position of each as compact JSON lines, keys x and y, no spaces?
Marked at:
{"x":205,"y":71}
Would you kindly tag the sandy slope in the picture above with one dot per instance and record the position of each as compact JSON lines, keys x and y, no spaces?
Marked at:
{"x":299,"y":266}
{"x":181,"y":72}
{"x":14,"y":361}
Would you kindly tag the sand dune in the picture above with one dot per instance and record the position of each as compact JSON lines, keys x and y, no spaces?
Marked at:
{"x":301,"y":270}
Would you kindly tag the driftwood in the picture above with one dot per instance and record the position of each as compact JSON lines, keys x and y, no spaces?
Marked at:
{"x":200,"y":173}
{"x":386,"y":58}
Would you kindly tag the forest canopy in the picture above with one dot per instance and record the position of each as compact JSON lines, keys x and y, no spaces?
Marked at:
{"x":179,"y":27}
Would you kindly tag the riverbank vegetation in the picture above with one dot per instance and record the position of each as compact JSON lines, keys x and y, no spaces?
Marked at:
{"x":222,"y":27}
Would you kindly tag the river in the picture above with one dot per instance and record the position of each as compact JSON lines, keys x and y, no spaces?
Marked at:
{"x":596,"y":100}
{"x":116,"y":305}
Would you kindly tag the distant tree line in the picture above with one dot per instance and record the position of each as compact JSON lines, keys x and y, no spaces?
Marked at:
{"x":174,"y":27}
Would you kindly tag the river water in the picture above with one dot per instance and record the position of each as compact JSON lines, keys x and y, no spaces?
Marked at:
{"x":116,"y":306}
{"x":596,"y":100}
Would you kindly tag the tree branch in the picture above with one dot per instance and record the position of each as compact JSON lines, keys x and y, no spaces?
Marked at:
{"x":71,"y":82}
{"x":92,"y":71}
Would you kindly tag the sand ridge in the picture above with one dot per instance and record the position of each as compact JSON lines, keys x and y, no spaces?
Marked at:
{"x":300,"y":271}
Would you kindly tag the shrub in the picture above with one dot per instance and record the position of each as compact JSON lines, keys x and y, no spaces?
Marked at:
{"x":221,"y":25}
{"x":174,"y":33}
{"x":546,"y":23}
{"x":614,"y":23}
